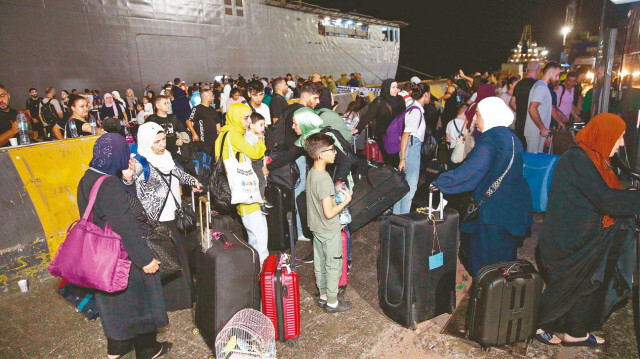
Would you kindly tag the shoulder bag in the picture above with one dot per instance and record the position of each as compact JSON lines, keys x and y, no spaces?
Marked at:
{"x":158,"y":238}
{"x":90,"y":256}
{"x":219,"y":184}
{"x":470,"y":209}
{"x":185,"y":217}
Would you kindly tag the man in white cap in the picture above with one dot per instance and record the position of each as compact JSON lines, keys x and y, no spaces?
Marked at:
{"x":416,"y":80}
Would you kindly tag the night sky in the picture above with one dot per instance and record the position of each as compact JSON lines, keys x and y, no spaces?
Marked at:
{"x":475,"y":35}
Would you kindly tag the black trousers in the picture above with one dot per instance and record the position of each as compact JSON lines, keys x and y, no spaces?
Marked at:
{"x":146,"y":346}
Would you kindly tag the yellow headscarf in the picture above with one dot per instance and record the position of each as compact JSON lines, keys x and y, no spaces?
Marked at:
{"x":235,"y":114}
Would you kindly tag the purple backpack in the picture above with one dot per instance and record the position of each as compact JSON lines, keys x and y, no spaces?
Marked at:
{"x":90,"y":256}
{"x":392,"y":138}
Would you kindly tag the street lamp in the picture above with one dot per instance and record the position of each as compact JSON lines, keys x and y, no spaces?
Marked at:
{"x":565,"y":31}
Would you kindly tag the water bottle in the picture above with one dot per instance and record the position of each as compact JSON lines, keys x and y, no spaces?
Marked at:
{"x":72,"y":128}
{"x":94,"y":125}
{"x":23,"y":129}
{"x":344,"y":216}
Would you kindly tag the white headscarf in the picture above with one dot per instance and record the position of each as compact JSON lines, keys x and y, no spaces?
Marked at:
{"x":494,"y":113}
{"x":146,"y":135}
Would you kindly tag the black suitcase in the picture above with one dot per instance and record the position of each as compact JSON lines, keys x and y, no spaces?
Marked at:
{"x":283,"y":201}
{"x":383,"y":187}
{"x":417,"y":269}
{"x":301,"y":201}
{"x":503,"y":307}
{"x":228,"y":281}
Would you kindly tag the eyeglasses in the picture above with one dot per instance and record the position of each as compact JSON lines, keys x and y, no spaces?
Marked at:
{"x":330,"y":149}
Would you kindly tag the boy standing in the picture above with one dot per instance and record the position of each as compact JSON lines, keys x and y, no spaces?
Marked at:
{"x":254,"y":133}
{"x":323,"y":221}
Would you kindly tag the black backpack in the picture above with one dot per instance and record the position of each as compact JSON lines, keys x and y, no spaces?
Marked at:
{"x":48,"y":112}
{"x":274,"y":136}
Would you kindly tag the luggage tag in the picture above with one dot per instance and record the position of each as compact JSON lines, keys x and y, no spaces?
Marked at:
{"x":435,"y":260}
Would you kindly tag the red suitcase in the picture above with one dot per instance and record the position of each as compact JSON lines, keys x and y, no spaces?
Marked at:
{"x":372,"y":151}
{"x":344,"y":277}
{"x":281,"y":294}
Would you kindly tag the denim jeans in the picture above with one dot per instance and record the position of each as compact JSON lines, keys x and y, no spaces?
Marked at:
{"x":256,"y":225}
{"x":302,"y":166}
{"x":412,"y":172}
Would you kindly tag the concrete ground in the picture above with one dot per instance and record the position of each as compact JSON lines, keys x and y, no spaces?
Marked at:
{"x":40,"y":324}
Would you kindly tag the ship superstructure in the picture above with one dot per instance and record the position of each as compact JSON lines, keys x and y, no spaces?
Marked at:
{"x":115,"y":44}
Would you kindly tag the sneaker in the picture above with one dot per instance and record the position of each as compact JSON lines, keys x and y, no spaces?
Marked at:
{"x":268,"y":204}
{"x":321,"y":302}
{"x":263,"y":209}
{"x":308,"y":258}
{"x":343,"y":306}
{"x":303,"y":239}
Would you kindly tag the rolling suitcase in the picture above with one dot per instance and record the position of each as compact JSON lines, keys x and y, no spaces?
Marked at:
{"x":417,"y":266}
{"x":231,"y":283}
{"x":281,"y":294}
{"x":383,"y":187}
{"x":372,"y":151}
{"x":283,"y":201}
{"x":538,"y":171}
{"x":503,"y":307}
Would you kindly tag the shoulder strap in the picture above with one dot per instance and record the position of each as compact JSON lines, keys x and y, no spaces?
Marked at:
{"x":561,"y":95}
{"x":495,"y":185}
{"x":92,"y":197}
{"x":456,"y":126}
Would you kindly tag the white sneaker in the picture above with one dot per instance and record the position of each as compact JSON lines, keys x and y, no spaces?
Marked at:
{"x":303,"y":239}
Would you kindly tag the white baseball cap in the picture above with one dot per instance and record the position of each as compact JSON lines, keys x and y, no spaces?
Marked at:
{"x":416,"y":80}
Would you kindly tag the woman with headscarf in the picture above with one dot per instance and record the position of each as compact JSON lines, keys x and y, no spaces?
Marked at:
{"x":305,"y":123}
{"x":158,"y":183}
{"x":382,"y":110}
{"x":129,"y":318}
{"x":112,"y":108}
{"x":495,"y":162}
{"x":587,"y":247}
{"x":131,"y":101}
{"x":254,"y":221}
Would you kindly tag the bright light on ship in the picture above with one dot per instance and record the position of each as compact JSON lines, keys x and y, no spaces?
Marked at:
{"x":338,"y":21}
{"x":545,"y":53}
{"x":327,"y":18}
{"x":358,"y":24}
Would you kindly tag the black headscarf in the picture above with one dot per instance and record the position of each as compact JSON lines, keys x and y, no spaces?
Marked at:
{"x":396,"y":102}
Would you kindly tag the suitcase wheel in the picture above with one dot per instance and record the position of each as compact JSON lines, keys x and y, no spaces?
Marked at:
{"x":292,"y":342}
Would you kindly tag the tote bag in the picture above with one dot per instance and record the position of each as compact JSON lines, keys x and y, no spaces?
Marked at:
{"x":90,"y":256}
{"x":243,"y":182}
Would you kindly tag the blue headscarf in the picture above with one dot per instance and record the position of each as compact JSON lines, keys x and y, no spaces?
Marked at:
{"x":110,"y":154}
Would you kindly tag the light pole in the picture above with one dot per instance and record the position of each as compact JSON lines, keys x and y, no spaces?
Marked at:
{"x":565,"y":31}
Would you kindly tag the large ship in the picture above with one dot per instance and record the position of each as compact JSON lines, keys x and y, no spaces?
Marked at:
{"x":115,"y":44}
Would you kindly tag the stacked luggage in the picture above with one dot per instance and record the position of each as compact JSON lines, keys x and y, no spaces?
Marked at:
{"x":281,"y":233}
{"x":417,"y":263}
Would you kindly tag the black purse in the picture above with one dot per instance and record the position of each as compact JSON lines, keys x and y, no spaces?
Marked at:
{"x":429,"y":146}
{"x":469,"y":207}
{"x":287,"y":175}
{"x":219,"y":185}
{"x":159,"y":239}
{"x":185,"y":217}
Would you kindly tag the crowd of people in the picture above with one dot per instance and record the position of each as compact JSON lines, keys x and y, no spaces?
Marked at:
{"x":488,"y":120}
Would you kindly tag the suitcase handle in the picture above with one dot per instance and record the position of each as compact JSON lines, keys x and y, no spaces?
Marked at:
{"x":441,"y":218}
{"x":292,"y":262}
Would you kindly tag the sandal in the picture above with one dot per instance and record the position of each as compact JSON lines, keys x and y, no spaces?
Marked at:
{"x":164,"y":349}
{"x":589,"y":342}
{"x":545,"y":337}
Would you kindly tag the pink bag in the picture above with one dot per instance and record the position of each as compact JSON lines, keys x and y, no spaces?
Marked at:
{"x":90,"y":256}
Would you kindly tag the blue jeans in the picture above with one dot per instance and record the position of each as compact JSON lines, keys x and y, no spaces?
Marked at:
{"x":412,"y":172}
{"x":302,"y":166}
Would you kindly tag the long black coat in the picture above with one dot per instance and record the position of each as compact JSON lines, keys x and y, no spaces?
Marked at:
{"x":140,"y":308}
{"x":573,"y":244}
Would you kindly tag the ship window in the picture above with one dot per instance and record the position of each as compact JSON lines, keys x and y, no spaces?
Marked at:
{"x":239,"y":12}
{"x":385,"y":34}
{"x":238,"y":4}
{"x":391,"y":33}
{"x":227,"y":2}
{"x":228,"y":11}
{"x":397,"y":36}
